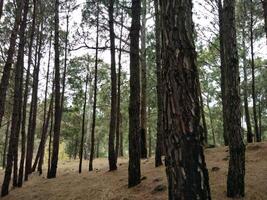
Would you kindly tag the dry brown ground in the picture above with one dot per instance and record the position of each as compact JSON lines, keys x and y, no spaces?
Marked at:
{"x":103,"y":185}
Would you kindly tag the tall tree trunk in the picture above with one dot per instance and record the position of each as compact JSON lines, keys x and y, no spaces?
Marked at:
{"x":134,"y":171}
{"x":92,"y":152}
{"x":58,"y":110}
{"x":211,"y":122}
{"x":119,"y":147}
{"x":113,"y":113}
{"x":83,"y":123}
{"x":1,"y":7}
{"x":204,"y":124}
{"x":264,"y":5}
{"x":159,"y":143}
{"x":9,"y":61}
{"x":5,"y":145}
{"x":25,"y":98}
{"x":222,"y":67}
{"x":34,"y":103}
{"x":244,"y":58}
{"x":46,"y":116}
{"x":143,"y":142}
{"x":254,"y":96}
{"x":50,"y":140}
{"x":12,"y":157}
{"x":149,"y":134}
{"x":236,"y":172}
{"x":185,"y":162}
{"x":260,"y":119}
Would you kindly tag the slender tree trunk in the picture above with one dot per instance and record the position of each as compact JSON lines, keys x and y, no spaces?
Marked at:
{"x":159,"y":143}
{"x":58,"y":109}
{"x":185,"y":162}
{"x":247,"y":115}
{"x":236,"y":172}
{"x":34,"y":103}
{"x":83,"y":123}
{"x":5,"y":145}
{"x":46,"y":116}
{"x":113,"y":113}
{"x":134,"y":171}
{"x":9,"y":61}
{"x":143,"y":142}
{"x":260,"y":119}
{"x":204,"y":124}
{"x":25,"y":98}
{"x":50,"y":141}
{"x":1,"y":7}
{"x":121,"y":137}
{"x":254,"y":96}
{"x":264,"y":4}
{"x":222,"y":56}
{"x":149,"y":134}
{"x":92,"y":152}
{"x":211,"y":122}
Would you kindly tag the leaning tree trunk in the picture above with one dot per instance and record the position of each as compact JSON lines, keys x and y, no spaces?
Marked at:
{"x":159,"y":143}
{"x":254,"y":96}
{"x":236,"y":172}
{"x":92,"y":152}
{"x":9,"y":61}
{"x":185,"y":162}
{"x":57,"y":119}
{"x":222,"y":67}
{"x":134,"y":171}
{"x":143,"y":142}
{"x":113,"y":113}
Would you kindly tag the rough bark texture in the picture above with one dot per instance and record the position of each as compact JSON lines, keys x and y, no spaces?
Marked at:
{"x":134,"y":171}
{"x":185,"y":163}
{"x":236,"y":172}
{"x":92,"y":152}
{"x":9,"y":61}
{"x":159,"y":143}
{"x":83,"y":124}
{"x":113,"y":113}
{"x":254,"y":95}
{"x":57,"y":119}
{"x":143,"y":142}
{"x":222,"y":56}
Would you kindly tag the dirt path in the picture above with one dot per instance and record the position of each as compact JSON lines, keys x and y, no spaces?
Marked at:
{"x":103,"y":185}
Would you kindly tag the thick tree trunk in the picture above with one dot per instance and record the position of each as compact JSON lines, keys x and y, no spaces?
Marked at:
{"x":236,"y":172}
{"x":134,"y":171}
{"x":58,"y":110}
{"x":222,"y":56}
{"x":9,"y":61}
{"x":186,"y":168}
{"x":92,"y":152}
{"x":143,"y":142}
{"x":5,"y":145}
{"x":254,"y":96}
{"x":83,"y":123}
{"x":159,"y":143}
{"x":113,"y":113}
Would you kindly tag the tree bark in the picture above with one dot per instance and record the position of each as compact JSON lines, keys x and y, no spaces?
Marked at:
{"x":159,"y":143}
{"x":92,"y":152}
{"x":1,"y":7}
{"x":113,"y":113}
{"x":58,"y":110}
{"x":143,"y":142}
{"x":264,"y":5}
{"x":134,"y":171}
{"x":9,"y":61}
{"x":236,"y":172}
{"x":254,"y":96}
{"x":185,"y":162}
{"x":222,"y":67}
{"x":83,"y":123}
{"x":5,"y":145}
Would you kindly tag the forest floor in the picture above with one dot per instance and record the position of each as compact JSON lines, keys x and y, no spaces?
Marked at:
{"x":104,"y":185}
